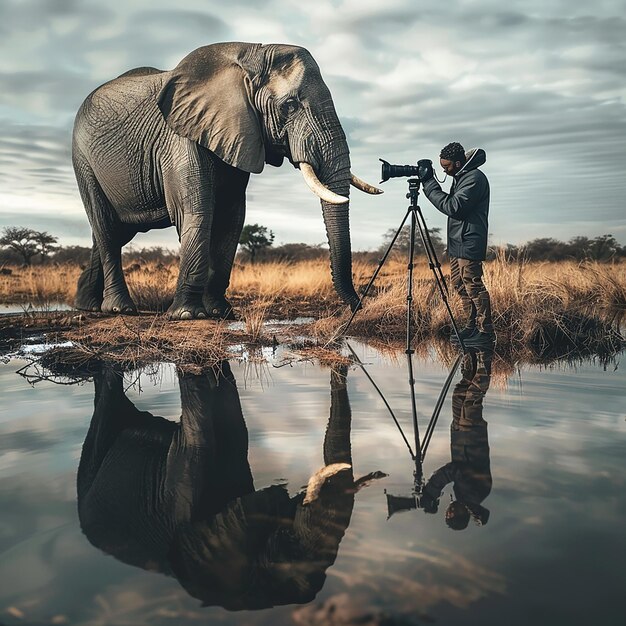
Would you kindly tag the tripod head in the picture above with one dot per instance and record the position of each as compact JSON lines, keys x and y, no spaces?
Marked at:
{"x":414,"y":191}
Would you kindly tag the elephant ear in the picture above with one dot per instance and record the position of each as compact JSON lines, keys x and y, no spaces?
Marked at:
{"x":207,"y":98}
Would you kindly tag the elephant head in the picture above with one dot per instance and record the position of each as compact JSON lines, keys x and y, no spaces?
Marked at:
{"x":180,"y":499}
{"x":252,"y":104}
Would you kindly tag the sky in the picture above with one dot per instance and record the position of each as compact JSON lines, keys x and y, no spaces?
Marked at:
{"x":539,"y":85}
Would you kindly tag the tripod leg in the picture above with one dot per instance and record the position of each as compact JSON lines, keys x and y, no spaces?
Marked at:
{"x":439,"y":279}
{"x":409,"y":286}
{"x":409,"y":351}
{"x":416,"y":431}
{"x":437,"y":410}
{"x":433,"y":260}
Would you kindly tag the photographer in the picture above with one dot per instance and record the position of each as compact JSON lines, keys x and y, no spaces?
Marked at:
{"x":467,"y":208}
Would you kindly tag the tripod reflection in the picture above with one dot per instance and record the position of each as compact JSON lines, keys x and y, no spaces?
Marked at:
{"x":469,"y":470}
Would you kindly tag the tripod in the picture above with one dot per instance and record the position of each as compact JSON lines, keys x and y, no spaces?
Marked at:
{"x":418,"y":223}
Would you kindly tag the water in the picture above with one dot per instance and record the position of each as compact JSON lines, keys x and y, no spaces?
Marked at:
{"x":535,"y":461}
{"x":12,"y":308}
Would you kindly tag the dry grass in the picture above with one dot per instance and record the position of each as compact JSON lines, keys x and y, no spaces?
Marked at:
{"x":126,"y":342}
{"x":538,"y":307}
{"x":39,"y":285}
{"x":254,"y":317}
{"x":541,"y":308}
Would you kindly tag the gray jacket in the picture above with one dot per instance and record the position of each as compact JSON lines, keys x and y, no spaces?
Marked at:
{"x":467,"y":208}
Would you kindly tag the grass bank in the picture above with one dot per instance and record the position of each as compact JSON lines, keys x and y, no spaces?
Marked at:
{"x":540,"y":308}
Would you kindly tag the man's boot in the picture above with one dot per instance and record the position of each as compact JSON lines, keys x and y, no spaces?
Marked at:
{"x":464,"y":333}
{"x":481,"y":339}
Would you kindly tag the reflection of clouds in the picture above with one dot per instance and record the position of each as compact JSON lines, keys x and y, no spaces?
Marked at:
{"x":556,"y":460}
{"x":26,"y":441}
{"x":422,"y":577}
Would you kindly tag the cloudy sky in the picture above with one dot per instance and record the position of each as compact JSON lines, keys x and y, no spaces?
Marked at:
{"x":539,"y":85}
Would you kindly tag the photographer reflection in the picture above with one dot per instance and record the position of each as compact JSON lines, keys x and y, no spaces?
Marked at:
{"x":179,"y":498}
{"x":469,"y":470}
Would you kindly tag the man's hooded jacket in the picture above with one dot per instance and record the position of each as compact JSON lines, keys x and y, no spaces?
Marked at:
{"x":467,"y":208}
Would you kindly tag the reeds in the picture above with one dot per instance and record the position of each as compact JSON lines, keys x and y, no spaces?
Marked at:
{"x":540,"y":306}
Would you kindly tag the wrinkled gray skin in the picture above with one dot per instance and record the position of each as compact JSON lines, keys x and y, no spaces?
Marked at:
{"x":152,"y":148}
{"x":179,"y":498}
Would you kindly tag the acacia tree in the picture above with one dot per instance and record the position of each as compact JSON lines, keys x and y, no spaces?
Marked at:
{"x":254,"y":238}
{"x":403,"y":241}
{"x":27,"y":243}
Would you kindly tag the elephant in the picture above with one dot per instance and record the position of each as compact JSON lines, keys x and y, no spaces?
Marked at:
{"x":154,"y":148}
{"x":179,"y":498}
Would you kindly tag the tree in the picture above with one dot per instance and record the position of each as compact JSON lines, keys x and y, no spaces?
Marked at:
{"x":604,"y":248}
{"x":27,"y":242}
{"x":545,"y":249}
{"x":254,"y":238}
{"x":80,"y":255}
{"x":45,"y":243}
{"x":401,"y":244}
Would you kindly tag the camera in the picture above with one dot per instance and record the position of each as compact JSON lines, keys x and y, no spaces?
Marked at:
{"x":396,"y":171}
{"x":418,"y":500}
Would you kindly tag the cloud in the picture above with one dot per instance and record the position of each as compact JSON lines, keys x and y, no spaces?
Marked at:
{"x":540,"y":87}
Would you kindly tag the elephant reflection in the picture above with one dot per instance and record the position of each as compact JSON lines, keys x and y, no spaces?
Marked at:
{"x":469,"y":470}
{"x":179,"y":498}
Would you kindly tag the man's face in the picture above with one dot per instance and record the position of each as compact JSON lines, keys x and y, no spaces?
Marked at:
{"x":450,"y":167}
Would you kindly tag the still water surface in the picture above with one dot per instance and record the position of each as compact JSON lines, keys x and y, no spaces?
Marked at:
{"x":113,"y":516}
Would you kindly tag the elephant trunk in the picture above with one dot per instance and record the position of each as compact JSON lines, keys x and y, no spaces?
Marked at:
{"x":338,"y":232}
{"x":322,"y":144}
{"x":337,"y":221}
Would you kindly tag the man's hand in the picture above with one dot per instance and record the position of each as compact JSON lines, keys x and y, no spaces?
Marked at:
{"x":425,"y":170}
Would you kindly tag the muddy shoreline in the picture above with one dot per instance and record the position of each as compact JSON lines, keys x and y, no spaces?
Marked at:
{"x":71,"y":341}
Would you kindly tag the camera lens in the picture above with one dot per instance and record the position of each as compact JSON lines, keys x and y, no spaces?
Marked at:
{"x":396,"y":171}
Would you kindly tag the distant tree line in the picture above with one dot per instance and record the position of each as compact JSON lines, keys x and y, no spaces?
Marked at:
{"x":604,"y":248}
{"x":24,"y":246}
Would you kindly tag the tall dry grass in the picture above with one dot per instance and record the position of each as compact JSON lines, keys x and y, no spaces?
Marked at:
{"x":543,"y":306}
{"x":531,"y":301}
{"x":39,"y":285}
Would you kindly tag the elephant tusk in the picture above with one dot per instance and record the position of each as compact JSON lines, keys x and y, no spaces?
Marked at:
{"x":322,"y":192}
{"x":316,"y":482}
{"x":355,"y":181}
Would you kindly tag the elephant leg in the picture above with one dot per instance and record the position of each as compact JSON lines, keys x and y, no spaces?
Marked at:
{"x":190,"y":197}
{"x":228,"y":221}
{"x":113,"y":412}
{"x":89,"y":292}
{"x":107,"y":231}
{"x":194,"y":268}
{"x":208,"y":460}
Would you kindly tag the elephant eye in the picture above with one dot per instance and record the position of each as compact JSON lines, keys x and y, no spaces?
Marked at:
{"x":289,"y":106}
